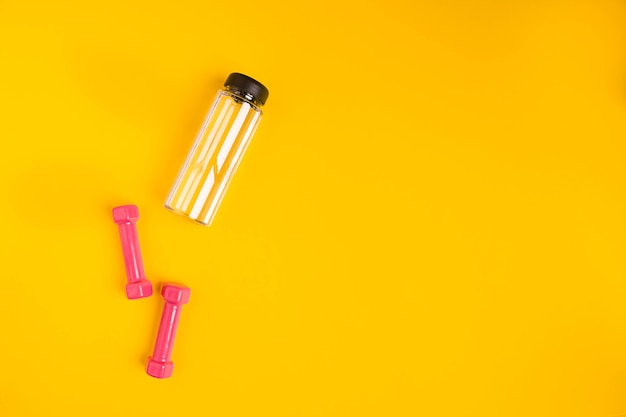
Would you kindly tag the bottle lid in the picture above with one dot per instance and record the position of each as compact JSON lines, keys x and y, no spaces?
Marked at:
{"x":248,"y":85}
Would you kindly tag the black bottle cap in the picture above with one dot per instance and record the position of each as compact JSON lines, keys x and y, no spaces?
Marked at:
{"x":248,"y":85}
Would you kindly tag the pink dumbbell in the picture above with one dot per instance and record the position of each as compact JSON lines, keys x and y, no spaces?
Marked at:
{"x":159,"y":364}
{"x":138,"y":286}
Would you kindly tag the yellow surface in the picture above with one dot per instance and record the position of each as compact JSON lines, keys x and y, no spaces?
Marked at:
{"x":430,"y":221}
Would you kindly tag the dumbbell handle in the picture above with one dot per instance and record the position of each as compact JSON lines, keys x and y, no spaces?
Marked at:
{"x":167,"y":332}
{"x":131,"y":251}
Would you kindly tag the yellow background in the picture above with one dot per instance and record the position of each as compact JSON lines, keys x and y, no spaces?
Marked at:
{"x":430,"y":221}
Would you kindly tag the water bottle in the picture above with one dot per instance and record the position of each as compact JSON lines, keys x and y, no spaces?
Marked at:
{"x":218,"y":149}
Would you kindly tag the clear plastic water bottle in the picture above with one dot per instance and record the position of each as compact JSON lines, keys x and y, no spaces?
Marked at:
{"x":218,"y":149}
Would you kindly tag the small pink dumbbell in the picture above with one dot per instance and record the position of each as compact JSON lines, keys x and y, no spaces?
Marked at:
{"x":138,"y":286}
{"x":159,"y":364}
